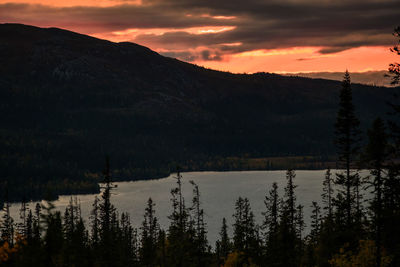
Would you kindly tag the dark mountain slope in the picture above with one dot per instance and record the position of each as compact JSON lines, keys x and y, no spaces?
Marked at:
{"x":68,"y":99}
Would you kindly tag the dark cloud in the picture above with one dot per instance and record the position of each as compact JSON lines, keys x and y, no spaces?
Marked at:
{"x":185,"y":55}
{"x":304,"y":59}
{"x":207,"y":55}
{"x":259,"y":24}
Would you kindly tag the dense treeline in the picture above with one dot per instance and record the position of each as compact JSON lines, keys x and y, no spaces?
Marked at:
{"x":45,"y":237}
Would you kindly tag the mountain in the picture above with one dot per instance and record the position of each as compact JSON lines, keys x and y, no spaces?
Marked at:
{"x":68,"y":100}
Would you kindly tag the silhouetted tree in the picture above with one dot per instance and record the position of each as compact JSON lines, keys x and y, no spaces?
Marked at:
{"x":315,"y":222}
{"x":271,"y":224}
{"x":289,"y":204}
{"x":376,"y":155}
{"x":245,"y":236}
{"x":22,"y":225}
{"x":53,"y":235}
{"x":95,"y":222}
{"x":347,"y":142}
{"x":394,"y":68}
{"x":7,"y":222}
{"x":328,"y":193}
{"x":289,"y":242}
{"x":180,"y":248}
{"x":223,"y":245}
{"x":149,"y":236}
{"x":200,"y":236}
{"x":106,"y":213}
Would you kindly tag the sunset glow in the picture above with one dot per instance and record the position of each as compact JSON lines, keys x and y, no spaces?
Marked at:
{"x":267,"y":38}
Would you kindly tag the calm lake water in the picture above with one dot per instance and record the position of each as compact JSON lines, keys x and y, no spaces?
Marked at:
{"x":219,"y":191}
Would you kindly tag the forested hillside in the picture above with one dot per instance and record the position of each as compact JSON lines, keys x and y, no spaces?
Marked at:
{"x":68,"y":100}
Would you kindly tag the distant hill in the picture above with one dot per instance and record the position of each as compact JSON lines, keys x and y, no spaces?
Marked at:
{"x":376,"y":78}
{"x":68,"y":100}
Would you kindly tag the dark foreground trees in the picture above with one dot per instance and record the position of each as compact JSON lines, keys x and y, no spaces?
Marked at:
{"x":49,"y":239}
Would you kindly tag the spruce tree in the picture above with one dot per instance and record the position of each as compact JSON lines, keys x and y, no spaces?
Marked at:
{"x":288,"y":235}
{"x":7,"y":222}
{"x":271,"y":225}
{"x":7,"y":225}
{"x":300,"y":226}
{"x":245,"y":232}
{"x":106,"y":214}
{"x":23,"y":215}
{"x":315,"y":222}
{"x":200,"y":237}
{"x":327,"y":194}
{"x":36,"y":223}
{"x":95,"y":222}
{"x":53,"y":233}
{"x":376,"y":155}
{"x":149,"y":235}
{"x":180,"y":246}
{"x":223,"y":244}
{"x":289,"y":204}
{"x":347,"y":142}
{"x":271,"y":214}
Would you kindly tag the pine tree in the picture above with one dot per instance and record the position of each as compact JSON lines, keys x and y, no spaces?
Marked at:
{"x":29,"y":227}
{"x":200,"y":237}
{"x":376,"y":155}
{"x":238,"y":227}
{"x":53,"y":237}
{"x":180,"y":246}
{"x":300,"y":226}
{"x":95,"y":222}
{"x":271,"y":225}
{"x":162,"y":250}
{"x":223,"y":245}
{"x":245,"y":232}
{"x":7,"y":222}
{"x":271,"y":215}
{"x":347,"y":142}
{"x":7,"y":225}
{"x":315,"y":222}
{"x":149,"y":235}
{"x":22,"y":225}
{"x":71,"y":218}
{"x":328,"y":193}
{"x":75,"y":235}
{"x":106,"y":214}
{"x":289,"y":204}
{"x":288,"y":236}
{"x":36,"y":223}
{"x":127,"y":239}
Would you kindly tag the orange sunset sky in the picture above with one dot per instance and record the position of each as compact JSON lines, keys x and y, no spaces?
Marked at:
{"x":283,"y":36}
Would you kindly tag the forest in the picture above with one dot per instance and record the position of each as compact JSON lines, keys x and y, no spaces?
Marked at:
{"x":347,"y":229}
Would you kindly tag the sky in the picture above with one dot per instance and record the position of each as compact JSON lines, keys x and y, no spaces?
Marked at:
{"x":282,"y":36}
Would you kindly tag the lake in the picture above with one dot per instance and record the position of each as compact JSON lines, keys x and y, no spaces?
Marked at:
{"x":219,"y":191}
